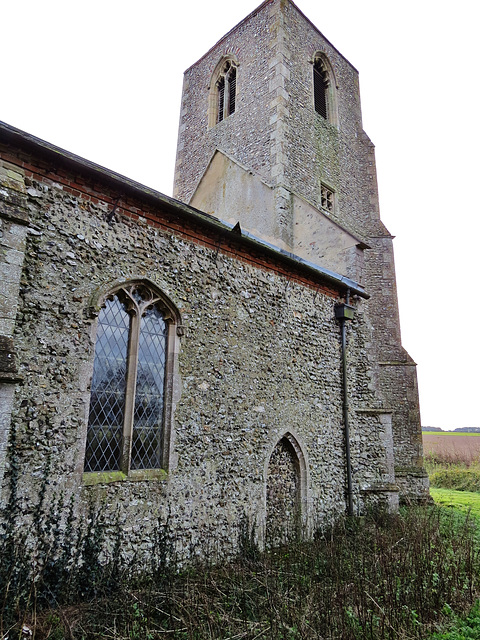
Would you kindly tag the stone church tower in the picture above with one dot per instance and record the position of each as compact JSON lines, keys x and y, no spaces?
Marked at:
{"x":271,"y":138}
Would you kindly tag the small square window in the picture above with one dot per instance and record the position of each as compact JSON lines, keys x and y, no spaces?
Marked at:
{"x":327,"y":198}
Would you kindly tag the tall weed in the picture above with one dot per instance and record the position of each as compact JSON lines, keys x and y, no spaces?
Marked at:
{"x":379,"y":577}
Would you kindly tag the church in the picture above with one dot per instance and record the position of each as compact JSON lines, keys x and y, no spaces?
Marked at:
{"x":228,"y":355}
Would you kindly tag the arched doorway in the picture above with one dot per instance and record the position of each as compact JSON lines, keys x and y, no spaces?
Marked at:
{"x":284,"y":493}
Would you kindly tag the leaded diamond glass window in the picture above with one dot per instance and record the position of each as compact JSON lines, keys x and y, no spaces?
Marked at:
{"x":126,"y":419}
{"x":147,"y":423}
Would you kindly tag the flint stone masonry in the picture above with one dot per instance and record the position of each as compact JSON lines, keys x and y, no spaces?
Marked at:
{"x":254,"y":364}
{"x":283,"y":517}
{"x":259,"y":358}
{"x":278,"y":138}
{"x":13,"y":219}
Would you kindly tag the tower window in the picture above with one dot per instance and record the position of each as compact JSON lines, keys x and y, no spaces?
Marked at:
{"x":327,"y":197}
{"x":222,"y":99}
{"x":321,"y":85}
{"x":226,"y":91}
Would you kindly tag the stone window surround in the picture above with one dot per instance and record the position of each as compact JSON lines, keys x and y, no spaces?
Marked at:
{"x":331,"y":87}
{"x":327,"y":194}
{"x":213,"y":98}
{"x":174,"y":323}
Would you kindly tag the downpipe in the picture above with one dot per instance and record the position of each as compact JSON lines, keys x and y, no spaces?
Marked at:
{"x":344,"y":313}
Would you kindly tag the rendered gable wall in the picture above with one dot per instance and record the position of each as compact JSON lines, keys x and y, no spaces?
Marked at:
{"x":234,"y":194}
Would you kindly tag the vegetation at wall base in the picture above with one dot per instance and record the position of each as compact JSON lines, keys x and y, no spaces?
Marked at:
{"x":461,"y":628}
{"x":377,"y":577}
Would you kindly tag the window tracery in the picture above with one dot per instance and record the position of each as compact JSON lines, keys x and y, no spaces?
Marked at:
{"x":223,"y":91}
{"x":129,"y":391}
{"x":226,"y":89}
{"x":324,"y":89}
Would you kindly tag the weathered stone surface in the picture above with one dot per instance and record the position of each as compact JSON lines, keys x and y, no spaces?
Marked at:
{"x":255,"y":373}
{"x":276,"y":134}
{"x":260,"y":357}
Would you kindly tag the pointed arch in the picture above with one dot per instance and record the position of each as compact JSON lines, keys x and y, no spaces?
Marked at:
{"x":324,"y":88}
{"x":130,"y":409}
{"x":286,"y":476}
{"x":222,"y":100}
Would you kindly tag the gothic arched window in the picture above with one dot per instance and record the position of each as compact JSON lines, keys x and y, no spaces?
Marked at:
{"x":127,"y":418}
{"x":226,"y":91}
{"x":323,"y":89}
{"x":286,"y":486}
{"x":223,"y":91}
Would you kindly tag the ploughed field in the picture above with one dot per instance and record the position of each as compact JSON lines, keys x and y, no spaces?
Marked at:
{"x":452,"y":446}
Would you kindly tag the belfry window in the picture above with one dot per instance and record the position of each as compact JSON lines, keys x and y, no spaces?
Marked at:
{"x":321,"y":85}
{"x":226,"y":91}
{"x":126,"y":424}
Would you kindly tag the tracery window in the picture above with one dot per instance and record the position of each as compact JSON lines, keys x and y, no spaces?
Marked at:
{"x":327,"y":197}
{"x":324,"y":89}
{"x":222,"y":99}
{"x":226,"y":91}
{"x":126,"y":424}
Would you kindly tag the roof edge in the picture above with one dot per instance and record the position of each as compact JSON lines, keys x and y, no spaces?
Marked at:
{"x":10,"y":134}
{"x":254,"y":13}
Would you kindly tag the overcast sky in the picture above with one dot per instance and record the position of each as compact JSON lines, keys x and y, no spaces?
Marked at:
{"x":103,"y":80}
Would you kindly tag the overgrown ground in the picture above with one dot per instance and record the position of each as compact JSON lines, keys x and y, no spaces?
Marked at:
{"x":378,"y":577}
{"x":373,"y":578}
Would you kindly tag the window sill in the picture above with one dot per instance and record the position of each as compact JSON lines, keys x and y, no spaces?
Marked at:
{"x":108,"y":477}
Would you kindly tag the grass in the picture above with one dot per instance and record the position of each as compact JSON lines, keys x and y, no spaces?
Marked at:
{"x":453,"y":468}
{"x":374,"y":578}
{"x":380,"y":577}
{"x":451,"y":433}
{"x":459,"y":627}
{"x":455,"y":477}
{"x":466,"y":628}
{"x":464,"y":501}
{"x":451,"y":474}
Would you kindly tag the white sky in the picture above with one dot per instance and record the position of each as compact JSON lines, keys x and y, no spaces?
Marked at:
{"x":103,"y":79}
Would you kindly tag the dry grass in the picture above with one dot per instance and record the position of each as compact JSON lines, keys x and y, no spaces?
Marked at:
{"x":377,"y":578}
{"x":451,"y":449}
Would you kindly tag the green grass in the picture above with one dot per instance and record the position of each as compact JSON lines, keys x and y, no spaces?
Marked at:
{"x":462,"y":628}
{"x":451,"y":433}
{"x":464,"y":501}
